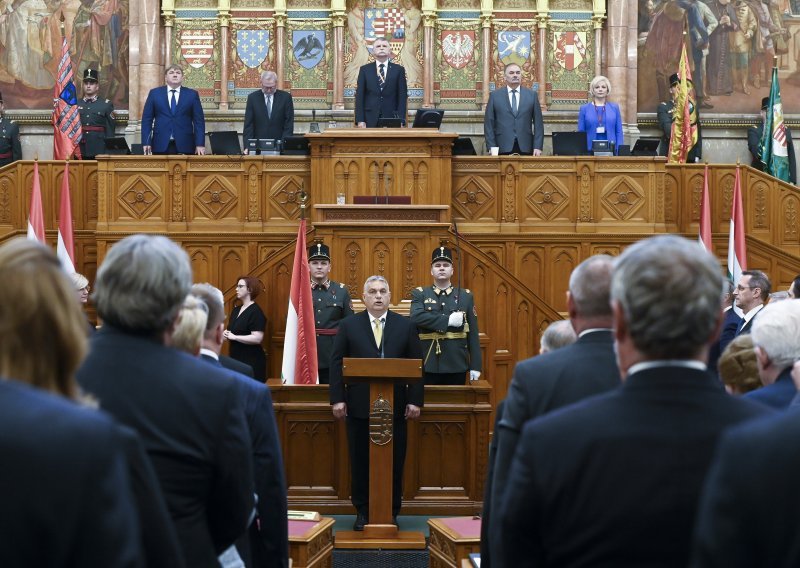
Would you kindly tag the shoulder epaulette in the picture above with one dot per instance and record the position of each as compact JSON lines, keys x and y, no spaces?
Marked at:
{"x":108,"y":101}
{"x":420,"y":288}
{"x":341,"y":285}
{"x":467,"y":291}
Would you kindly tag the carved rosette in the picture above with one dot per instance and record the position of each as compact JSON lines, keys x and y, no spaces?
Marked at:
{"x":586,"y":195}
{"x":473,"y":197}
{"x":215,"y":197}
{"x":548,"y":197}
{"x":139,"y":197}
{"x":509,"y":195}
{"x":177,"y":193}
{"x":622,"y":198}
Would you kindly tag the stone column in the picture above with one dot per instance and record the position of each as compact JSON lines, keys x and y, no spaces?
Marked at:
{"x":429,"y":20}
{"x":280,"y":47}
{"x":486,"y":38}
{"x":224,"y":46}
{"x":543,"y":21}
{"x":146,"y":65}
{"x":623,"y":84}
{"x":339,"y":19}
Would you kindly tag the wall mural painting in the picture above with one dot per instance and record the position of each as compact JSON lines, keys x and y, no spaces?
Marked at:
{"x":513,"y":43}
{"x":570,"y":46}
{"x":250,"y":55}
{"x":196,"y":50}
{"x":458,"y":60}
{"x":731,"y":48}
{"x":30,"y":48}
{"x":309,"y":71}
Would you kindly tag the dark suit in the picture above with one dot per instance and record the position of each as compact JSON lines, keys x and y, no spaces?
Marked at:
{"x":754,"y":134}
{"x":664,"y":116}
{"x":64,"y":485}
{"x":746,"y":326}
{"x":187,"y":126}
{"x":269,"y":533}
{"x":779,"y":394}
{"x":542,"y":384}
{"x":231,"y":364}
{"x":486,"y":513}
{"x":614,"y":480}
{"x":729,"y":326}
{"x":190,"y":418}
{"x":355,"y":339}
{"x":279,"y":125}
{"x":373,"y":101}
{"x":748,"y":512}
{"x":501,"y":127}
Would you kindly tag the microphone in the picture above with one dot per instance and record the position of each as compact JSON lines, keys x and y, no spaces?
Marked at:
{"x":313,"y":127}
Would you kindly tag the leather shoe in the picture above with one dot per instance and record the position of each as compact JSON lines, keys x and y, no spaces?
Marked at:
{"x":361,"y":520}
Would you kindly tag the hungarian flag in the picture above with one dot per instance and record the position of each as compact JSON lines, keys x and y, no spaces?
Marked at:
{"x":36,"y":217}
{"x":737,"y":258}
{"x":66,"y":118}
{"x":774,"y":145}
{"x":683,"y":136}
{"x":65,"y":249}
{"x":705,"y":215}
{"x":300,"y":342}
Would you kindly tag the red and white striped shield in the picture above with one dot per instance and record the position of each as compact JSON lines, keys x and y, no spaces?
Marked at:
{"x":570,"y":49}
{"x":197,"y":47}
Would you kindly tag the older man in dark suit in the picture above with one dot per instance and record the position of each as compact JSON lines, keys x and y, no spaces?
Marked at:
{"x":188,"y":414}
{"x":547,"y":382}
{"x":172,"y":119}
{"x":513,"y":119}
{"x":376,"y":332}
{"x":269,"y":112}
{"x":614,"y":480}
{"x":381,"y":88}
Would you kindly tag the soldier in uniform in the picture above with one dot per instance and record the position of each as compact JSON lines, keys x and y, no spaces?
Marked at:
{"x":664,"y":114}
{"x":97,"y":117}
{"x":448,"y":325}
{"x":10,"y":149}
{"x":332,"y":303}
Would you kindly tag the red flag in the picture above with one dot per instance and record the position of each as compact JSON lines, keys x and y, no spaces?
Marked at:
{"x":66,"y":118}
{"x":36,"y":217}
{"x":65,"y":249}
{"x":737,"y":255}
{"x":300,"y":342}
{"x":705,"y":215}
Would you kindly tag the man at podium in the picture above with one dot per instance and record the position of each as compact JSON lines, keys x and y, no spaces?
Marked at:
{"x":376,"y":332}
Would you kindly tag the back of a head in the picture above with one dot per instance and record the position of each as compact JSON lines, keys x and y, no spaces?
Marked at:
{"x":42,"y":328}
{"x":776,"y":330}
{"x":215,"y":302}
{"x":669,"y":289}
{"x":188,"y":333}
{"x":142,"y":284}
{"x":737,"y":365}
{"x":590,"y":285}
{"x":557,"y":335}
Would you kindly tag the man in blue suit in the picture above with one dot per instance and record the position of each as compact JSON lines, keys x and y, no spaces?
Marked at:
{"x":172,"y":119}
{"x":513,"y":120}
{"x":382,"y":91}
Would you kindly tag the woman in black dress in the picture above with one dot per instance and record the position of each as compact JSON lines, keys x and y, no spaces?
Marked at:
{"x":246,"y":328}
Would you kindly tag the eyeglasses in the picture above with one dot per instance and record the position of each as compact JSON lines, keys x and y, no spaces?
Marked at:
{"x":740,"y":287}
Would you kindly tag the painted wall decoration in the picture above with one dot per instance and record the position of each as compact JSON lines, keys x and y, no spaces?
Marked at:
{"x":309,"y":72}
{"x":570,"y":66}
{"x":459,"y":58}
{"x":30,"y":47}
{"x":251,"y":53}
{"x":513,"y":43}
{"x":731,"y":48}
{"x":197,"y":50}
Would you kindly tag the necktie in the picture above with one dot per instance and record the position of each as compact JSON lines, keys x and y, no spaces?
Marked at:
{"x":173,"y":101}
{"x":269,"y":106}
{"x":514,"y":101}
{"x":382,"y":73}
{"x":377,"y":331}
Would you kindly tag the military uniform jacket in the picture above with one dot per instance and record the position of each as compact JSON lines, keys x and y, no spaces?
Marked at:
{"x":430,"y":310}
{"x":331,"y":305}
{"x":9,"y":142}
{"x":98,"y":116}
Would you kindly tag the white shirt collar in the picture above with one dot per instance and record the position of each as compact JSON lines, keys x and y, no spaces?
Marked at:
{"x":382,"y":316}
{"x":593,"y":330}
{"x":209,"y":352}
{"x":749,"y":315}
{"x":686,"y":363}
{"x":509,"y":89}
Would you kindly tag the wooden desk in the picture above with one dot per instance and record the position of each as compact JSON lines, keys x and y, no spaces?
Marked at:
{"x":452,"y":541}
{"x":311,"y":543}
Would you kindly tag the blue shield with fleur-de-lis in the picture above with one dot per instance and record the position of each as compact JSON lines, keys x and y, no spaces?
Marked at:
{"x":308,"y":47}
{"x":252,"y":46}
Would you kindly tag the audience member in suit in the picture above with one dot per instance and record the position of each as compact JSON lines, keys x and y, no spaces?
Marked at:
{"x":750,"y":295}
{"x":513,"y":120}
{"x":376,"y":332}
{"x":189,"y":415}
{"x":754,"y":134}
{"x":601,"y":119}
{"x":544,"y":383}
{"x":729,"y":326}
{"x":269,"y":112}
{"x":269,"y":532}
{"x":558,"y":334}
{"x":776,"y":339}
{"x":738,"y":366}
{"x":614,"y":480}
{"x":172,"y":119}
{"x":67,"y":487}
{"x":381,"y":88}
{"x":664,"y":116}
{"x":748,"y":512}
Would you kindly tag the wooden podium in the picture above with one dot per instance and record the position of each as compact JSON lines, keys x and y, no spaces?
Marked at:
{"x":382,"y":375}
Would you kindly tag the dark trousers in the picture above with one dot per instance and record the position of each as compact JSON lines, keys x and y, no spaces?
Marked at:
{"x":324,"y":376}
{"x":516,"y":150}
{"x":358,"y":444}
{"x":171,"y":149}
{"x":446,"y":378}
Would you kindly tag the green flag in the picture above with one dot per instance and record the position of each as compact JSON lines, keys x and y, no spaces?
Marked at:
{"x":774,"y":145}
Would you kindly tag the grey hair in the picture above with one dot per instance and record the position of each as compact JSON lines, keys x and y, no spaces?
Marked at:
{"x":268,"y":74}
{"x":760,"y":280}
{"x":776,"y":330}
{"x":557,"y":335}
{"x":596,"y":81}
{"x":376,"y":278}
{"x":79,"y":280}
{"x":215,"y":302}
{"x":590,"y":285}
{"x":779,"y":296}
{"x":669,"y":290}
{"x":142,"y":284}
{"x":188,"y":333}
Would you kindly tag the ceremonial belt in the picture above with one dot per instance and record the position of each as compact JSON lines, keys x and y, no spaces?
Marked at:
{"x":94,"y":128}
{"x":436,"y":337}
{"x":324,"y":331}
{"x":4,"y":156}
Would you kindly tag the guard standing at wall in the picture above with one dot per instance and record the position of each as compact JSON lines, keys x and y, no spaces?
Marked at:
{"x":10,"y":148}
{"x":97,"y":117}
{"x":448,"y":325}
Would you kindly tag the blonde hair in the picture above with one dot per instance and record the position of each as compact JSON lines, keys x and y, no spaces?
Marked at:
{"x":596,"y":81}
{"x":80,"y":281}
{"x":191,"y":325}
{"x":737,"y":365}
{"x":42,"y":329}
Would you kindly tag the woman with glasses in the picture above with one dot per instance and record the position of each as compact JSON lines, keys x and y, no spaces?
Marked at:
{"x":246,"y":328}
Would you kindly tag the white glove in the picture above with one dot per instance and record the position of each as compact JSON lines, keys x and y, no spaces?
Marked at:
{"x":474,"y":375}
{"x":456,"y":319}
